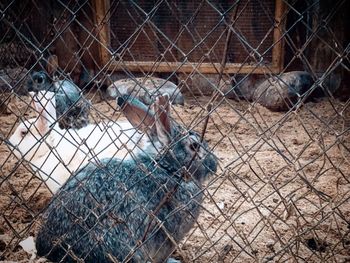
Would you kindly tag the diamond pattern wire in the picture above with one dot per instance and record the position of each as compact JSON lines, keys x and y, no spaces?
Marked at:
{"x":247,"y":165}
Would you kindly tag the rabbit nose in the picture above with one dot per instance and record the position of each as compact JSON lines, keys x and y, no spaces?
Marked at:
{"x":10,"y":144}
{"x":40,"y":80}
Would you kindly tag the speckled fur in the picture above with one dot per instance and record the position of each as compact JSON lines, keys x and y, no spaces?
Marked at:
{"x":102,"y":212}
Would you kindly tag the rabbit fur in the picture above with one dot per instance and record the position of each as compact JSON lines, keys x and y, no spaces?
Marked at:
{"x":70,"y":102}
{"x":55,"y":153}
{"x":113,"y":211}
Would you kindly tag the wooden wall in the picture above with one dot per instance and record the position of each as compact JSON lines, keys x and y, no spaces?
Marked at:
{"x":318,"y":33}
{"x":33,"y":30}
{"x":196,"y":32}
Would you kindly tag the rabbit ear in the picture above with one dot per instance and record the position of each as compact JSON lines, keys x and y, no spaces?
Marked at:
{"x":138,"y":114}
{"x":163,"y":123}
{"x":52,"y":65}
{"x":44,"y":103}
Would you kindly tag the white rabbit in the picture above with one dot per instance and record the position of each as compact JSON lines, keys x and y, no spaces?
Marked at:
{"x":55,"y":153}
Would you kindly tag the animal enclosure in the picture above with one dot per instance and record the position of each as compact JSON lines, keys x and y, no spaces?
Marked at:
{"x":174,"y":131}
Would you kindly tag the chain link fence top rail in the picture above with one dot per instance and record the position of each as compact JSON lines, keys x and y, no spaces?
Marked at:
{"x":174,"y":131}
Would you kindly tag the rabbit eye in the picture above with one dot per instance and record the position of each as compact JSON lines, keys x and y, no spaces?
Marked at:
{"x":24,"y":133}
{"x":194,"y":146}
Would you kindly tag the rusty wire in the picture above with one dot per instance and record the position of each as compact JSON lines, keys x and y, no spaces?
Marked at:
{"x":281,"y":191}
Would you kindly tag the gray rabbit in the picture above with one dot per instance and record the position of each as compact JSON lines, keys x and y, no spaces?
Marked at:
{"x":71,"y":107}
{"x":135,"y":210}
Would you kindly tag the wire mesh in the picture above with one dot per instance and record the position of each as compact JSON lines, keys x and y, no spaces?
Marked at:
{"x":247,"y":164}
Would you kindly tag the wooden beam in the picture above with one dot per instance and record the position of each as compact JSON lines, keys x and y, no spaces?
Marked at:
{"x":205,"y":68}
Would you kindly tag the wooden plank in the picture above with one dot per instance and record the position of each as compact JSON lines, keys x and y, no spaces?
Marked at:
{"x":278,"y":49}
{"x":101,"y":19}
{"x":205,"y":68}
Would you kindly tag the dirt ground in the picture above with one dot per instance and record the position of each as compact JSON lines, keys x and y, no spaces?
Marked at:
{"x":281,"y":193}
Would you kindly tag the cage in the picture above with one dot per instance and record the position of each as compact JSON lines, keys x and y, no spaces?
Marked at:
{"x":174,"y":131}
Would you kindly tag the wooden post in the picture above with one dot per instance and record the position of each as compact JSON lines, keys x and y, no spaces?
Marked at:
{"x":278,"y":48}
{"x":102,"y":26}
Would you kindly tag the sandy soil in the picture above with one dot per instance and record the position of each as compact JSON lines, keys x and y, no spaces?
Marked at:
{"x":281,"y":193}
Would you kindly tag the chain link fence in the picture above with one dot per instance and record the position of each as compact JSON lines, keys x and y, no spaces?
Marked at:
{"x":174,"y":131}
